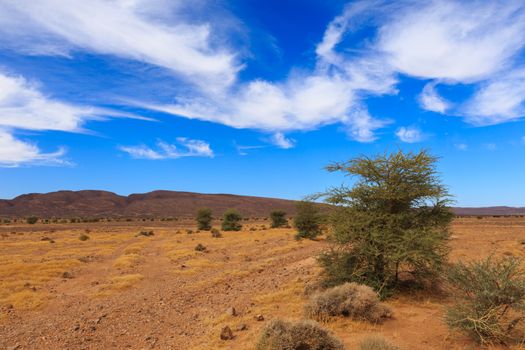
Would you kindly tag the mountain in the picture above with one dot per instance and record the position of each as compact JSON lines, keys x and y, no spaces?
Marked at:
{"x":90,"y":204}
{"x":68,"y":204}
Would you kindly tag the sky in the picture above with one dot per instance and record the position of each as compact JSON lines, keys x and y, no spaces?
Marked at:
{"x":257,"y":97}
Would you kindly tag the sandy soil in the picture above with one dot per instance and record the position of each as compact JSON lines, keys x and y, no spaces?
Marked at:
{"x":117,"y":290}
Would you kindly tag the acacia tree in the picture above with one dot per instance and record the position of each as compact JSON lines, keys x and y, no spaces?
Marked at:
{"x":278,"y":218}
{"x":231,"y":220}
{"x":204,"y":219}
{"x":307,"y":220}
{"x":392,"y":224}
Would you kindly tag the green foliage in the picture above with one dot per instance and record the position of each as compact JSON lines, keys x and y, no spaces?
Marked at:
{"x":307,"y":220}
{"x":391,"y":225}
{"x":489,"y":300}
{"x":282,"y":335}
{"x":204,"y":219}
{"x":278,"y":218}
{"x":352,"y":300}
{"x":231,"y":220}
{"x":32,"y":220}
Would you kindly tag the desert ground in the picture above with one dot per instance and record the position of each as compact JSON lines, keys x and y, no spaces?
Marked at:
{"x":120,"y":290}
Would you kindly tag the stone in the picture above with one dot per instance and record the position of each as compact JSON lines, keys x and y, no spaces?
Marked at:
{"x":259,"y":317}
{"x":231,"y":311}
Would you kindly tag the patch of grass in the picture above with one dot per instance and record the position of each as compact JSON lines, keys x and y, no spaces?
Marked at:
{"x":376,"y":342}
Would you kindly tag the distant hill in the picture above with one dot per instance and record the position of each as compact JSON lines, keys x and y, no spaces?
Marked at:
{"x":69,"y":204}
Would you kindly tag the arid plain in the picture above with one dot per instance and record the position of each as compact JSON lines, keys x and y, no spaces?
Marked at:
{"x":119,"y":289}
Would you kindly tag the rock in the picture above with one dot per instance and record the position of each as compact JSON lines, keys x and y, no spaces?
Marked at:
{"x":226,"y":333}
{"x":67,"y":274}
{"x":231,"y":311}
{"x":242,"y":327}
{"x":259,"y":317}
{"x":13,"y":347}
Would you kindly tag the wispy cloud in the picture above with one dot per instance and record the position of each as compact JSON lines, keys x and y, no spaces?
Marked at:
{"x":282,"y":141}
{"x":461,"y":146}
{"x":15,"y":152}
{"x":184,"y":147}
{"x":409,"y":134}
{"x":432,"y":101}
{"x":137,"y":30}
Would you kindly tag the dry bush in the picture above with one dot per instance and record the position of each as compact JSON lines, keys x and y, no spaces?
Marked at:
{"x":83,"y":237}
{"x":145,"y":233}
{"x":200,"y":248}
{"x":352,"y":300}
{"x":376,"y":342}
{"x":489,"y":300}
{"x":216,"y":233}
{"x":302,"y":335}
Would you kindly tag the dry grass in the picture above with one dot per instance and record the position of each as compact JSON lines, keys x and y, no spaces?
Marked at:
{"x":119,"y":283}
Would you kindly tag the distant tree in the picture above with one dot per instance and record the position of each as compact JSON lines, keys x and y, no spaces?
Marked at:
{"x":32,"y":220}
{"x":204,"y":219}
{"x":307,"y":220}
{"x":278,"y":218}
{"x":393,"y":222}
{"x":231,"y":220}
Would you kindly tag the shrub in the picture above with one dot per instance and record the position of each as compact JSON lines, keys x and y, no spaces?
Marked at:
{"x":278,"y":218}
{"x":308,"y":335}
{"x":204,"y":219}
{"x":83,"y":237}
{"x":489,"y":299}
{"x":352,"y":300}
{"x":231,"y":220}
{"x":145,"y":233}
{"x":32,"y":220}
{"x":391,"y":226}
{"x":376,"y":342}
{"x":216,"y":233}
{"x":307,"y":220}
{"x":189,"y":232}
{"x":200,"y":248}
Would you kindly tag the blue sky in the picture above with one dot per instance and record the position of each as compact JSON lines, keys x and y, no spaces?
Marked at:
{"x":256,"y":97}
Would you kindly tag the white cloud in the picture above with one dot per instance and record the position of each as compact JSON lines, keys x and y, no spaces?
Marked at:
{"x":184,"y":147}
{"x":456,"y":40}
{"x":282,"y":141}
{"x":499,"y":100}
{"x":409,"y":134}
{"x":432,"y":101}
{"x":14,"y":152}
{"x":136,"y":30}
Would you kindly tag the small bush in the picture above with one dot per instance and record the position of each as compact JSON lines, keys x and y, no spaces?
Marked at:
{"x":231,"y":221}
{"x":216,"y":233}
{"x":489,"y":300}
{"x":32,"y":220}
{"x":83,"y":237}
{"x":350,"y":300}
{"x":302,"y":335}
{"x":307,"y":220}
{"x":145,"y":233}
{"x":189,"y":232}
{"x":278,"y":218}
{"x":204,"y":219}
{"x":376,"y":342}
{"x":200,"y":248}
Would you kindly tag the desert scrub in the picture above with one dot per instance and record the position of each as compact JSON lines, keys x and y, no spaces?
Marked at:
{"x":489,"y":300}
{"x":307,"y":220}
{"x":32,"y":220}
{"x":231,"y":221}
{"x":216,"y":233}
{"x":83,"y":237}
{"x":376,"y":342}
{"x":278,"y":218}
{"x":352,"y":300}
{"x":145,"y":233}
{"x":204,"y":219}
{"x":282,"y":335}
{"x":200,"y":248}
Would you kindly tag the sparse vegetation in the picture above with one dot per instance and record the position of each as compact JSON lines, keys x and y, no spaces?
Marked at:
{"x":307,"y":220}
{"x":392,"y":226}
{"x":278,"y":218}
{"x":352,"y":300}
{"x":489,"y":300}
{"x":216,"y":233}
{"x":204,"y":219}
{"x":145,"y":233}
{"x":83,"y":237}
{"x":232,"y":220}
{"x":200,"y":248}
{"x":282,"y":335}
{"x":32,"y":220}
{"x":376,"y":342}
